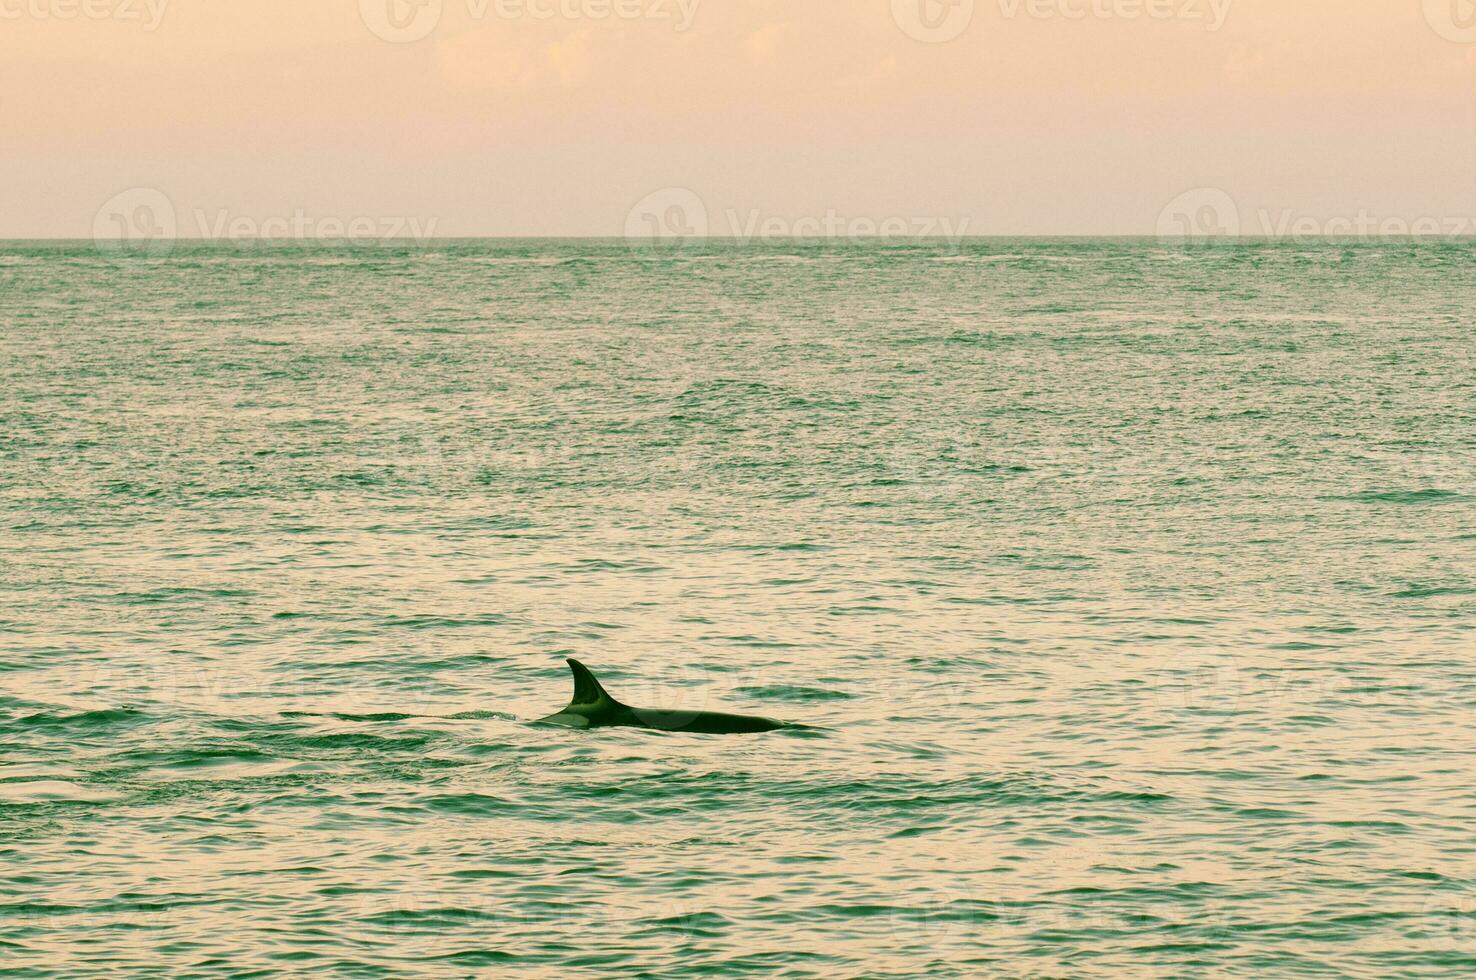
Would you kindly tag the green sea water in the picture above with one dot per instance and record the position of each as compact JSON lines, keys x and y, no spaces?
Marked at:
{"x":1130,"y":587}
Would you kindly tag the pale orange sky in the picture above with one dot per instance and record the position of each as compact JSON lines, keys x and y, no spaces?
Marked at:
{"x":1038,"y":117}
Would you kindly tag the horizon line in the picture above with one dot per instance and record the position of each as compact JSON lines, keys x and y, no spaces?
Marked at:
{"x":748,"y":239}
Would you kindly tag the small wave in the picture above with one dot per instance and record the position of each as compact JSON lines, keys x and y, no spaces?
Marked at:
{"x":386,"y":716}
{"x":54,"y":791}
{"x":1430,"y":591}
{"x":784,"y":259}
{"x":794,"y":694}
{"x":481,"y":716}
{"x":430,"y":917}
{"x":157,"y":596}
{"x":442,"y":622}
{"x":100,"y":719}
{"x":977,"y":259}
{"x":539,"y":260}
{"x":473,"y":957}
{"x":1428,"y":496}
{"x":353,"y":740}
{"x":474,"y":804}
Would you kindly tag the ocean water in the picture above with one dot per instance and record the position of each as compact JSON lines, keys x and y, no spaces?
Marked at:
{"x":1130,"y":589}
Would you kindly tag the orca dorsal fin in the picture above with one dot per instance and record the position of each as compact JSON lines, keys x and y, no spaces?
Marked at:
{"x":587,"y":690}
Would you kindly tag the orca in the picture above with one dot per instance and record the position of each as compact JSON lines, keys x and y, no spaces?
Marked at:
{"x":593,"y":708}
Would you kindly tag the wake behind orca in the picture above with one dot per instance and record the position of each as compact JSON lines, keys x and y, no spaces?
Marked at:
{"x":593,"y":708}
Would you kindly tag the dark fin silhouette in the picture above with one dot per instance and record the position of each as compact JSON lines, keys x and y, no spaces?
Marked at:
{"x":587,"y":690}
